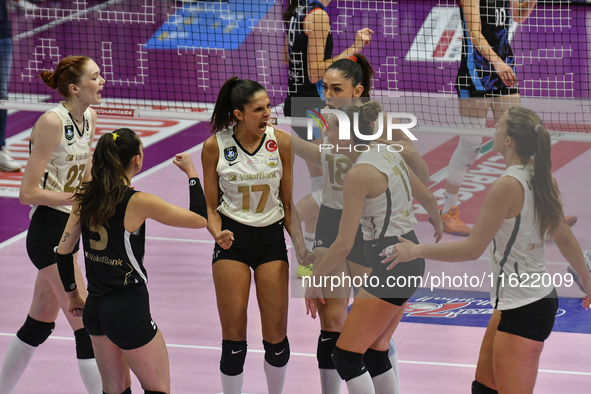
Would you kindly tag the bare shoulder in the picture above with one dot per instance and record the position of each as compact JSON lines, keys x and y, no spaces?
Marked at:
{"x":283,"y":138}
{"x":318,"y":15}
{"x":504,"y":188}
{"x":362,"y":174}
{"x":93,"y":115}
{"x":49,"y":119}
{"x":210,"y":146}
{"x":48,"y":127}
{"x":144,"y":201}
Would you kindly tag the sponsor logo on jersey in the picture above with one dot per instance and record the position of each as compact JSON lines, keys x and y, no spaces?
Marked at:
{"x":271,"y":146}
{"x":236,"y":162}
{"x":253,"y":161}
{"x":272,"y":160}
{"x":69,"y":157}
{"x":69,"y":132}
{"x":231,"y":153}
{"x":232,"y":178}
{"x":83,"y":156}
{"x":103,"y":259}
{"x":259,"y":175}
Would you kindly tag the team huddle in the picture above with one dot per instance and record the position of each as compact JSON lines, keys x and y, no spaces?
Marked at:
{"x":358,"y":219}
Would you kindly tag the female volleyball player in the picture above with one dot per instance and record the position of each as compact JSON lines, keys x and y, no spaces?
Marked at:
{"x":58,"y":162}
{"x":247,"y":179}
{"x":345,"y":81}
{"x":519,"y":209}
{"x":378,"y":192}
{"x":111,"y":216}
{"x":487,"y":81}
{"x":308,"y":53}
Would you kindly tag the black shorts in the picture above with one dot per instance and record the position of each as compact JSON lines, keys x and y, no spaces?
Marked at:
{"x":327,"y":229}
{"x":123,"y":316}
{"x":489,"y":85}
{"x":45,"y":231}
{"x":397,"y":285}
{"x":253,"y":246}
{"x":532,"y":321}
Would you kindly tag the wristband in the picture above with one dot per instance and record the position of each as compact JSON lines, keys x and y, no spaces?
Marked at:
{"x":197,"y":202}
{"x":65,"y":267}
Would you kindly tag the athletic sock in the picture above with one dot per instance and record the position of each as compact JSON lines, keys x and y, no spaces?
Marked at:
{"x":385,"y":383}
{"x":15,"y":363}
{"x":451,"y":200}
{"x":232,"y":384}
{"x":90,"y":375}
{"x":330,"y":381}
{"x":362,"y":384}
{"x":275,"y":377}
{"x":393,"y":356}
{"x":309,"y":240}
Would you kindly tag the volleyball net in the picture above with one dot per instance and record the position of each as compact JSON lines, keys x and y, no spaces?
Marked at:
{"x":168,"y":59}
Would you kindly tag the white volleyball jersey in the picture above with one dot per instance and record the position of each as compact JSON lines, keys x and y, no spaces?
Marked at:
{"x":66,"y":167}
{"x":517,"y":253}
{"x":249,"y":183}
{"x":391,"y":213}
{"x":334,"y":168}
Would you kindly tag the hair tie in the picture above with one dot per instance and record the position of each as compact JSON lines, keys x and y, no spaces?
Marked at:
{"x":536,"y":129}
{"x":353,"y":58}
{"x":115,"y":135}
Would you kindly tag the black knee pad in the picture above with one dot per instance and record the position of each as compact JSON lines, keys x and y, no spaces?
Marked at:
{"x":327,"y":340}
{"x":35,"y":332}
{"x":153,"y":392}
{"x":277,"y":355}
{"x":479,"y":388}
{"x":233,"y":356}
{"x":377,"y":362}
{"x":84,"y":349}
{"x":349,"y":365}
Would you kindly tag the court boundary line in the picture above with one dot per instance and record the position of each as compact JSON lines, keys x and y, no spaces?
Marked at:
{"x":310,"y":355}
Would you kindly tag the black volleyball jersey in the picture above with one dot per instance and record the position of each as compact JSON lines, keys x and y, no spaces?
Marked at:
{"x":495,"y":18}
{"x":297,"y":40}
{"x":114,"y":257}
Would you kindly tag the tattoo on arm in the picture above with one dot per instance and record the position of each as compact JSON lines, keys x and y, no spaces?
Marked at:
{"x":66,"y":235}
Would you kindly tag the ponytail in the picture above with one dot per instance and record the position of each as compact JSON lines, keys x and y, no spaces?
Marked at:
{"x":356,"y":69}
{"x":289,"y":10}
{"x":69,"y":71}
{"x":365,"y":114}
{"x":234,"y":94}
{"x":112,"y":157}
{"x":532,"y":139}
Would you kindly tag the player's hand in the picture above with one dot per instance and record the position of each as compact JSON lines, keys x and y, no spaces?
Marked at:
{"x":505,"y":73}
{"x":399,"y":253}
{"x":184,"y":162}
{"x":438,"y":226}
{"x":313,"y":295}
{"x":225,"y":239}
{"x":76,"y":305}
{"x":363,"y":37}
{"x":304,"y":256}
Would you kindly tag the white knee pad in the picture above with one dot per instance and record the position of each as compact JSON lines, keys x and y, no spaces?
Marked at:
{"x":463,"y":157}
